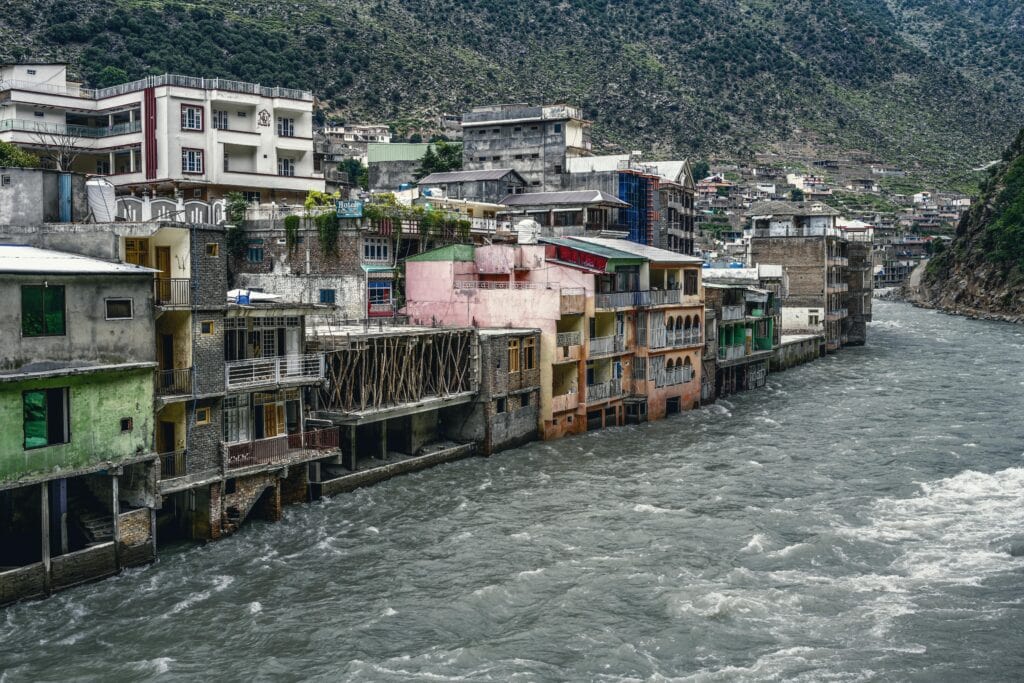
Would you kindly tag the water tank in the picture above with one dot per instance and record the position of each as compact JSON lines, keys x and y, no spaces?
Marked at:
{"x":102,"y":200}
{"x":527,"y":231}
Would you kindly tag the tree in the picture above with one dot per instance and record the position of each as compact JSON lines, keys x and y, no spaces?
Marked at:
{"x":61,"y":146}
{"x":13,"y":157}
{"x":440,"y":157}
{"x":358,"y":174}
{"x":701,"y":170}
{"x":796,"y":194}
{"x":111,"y":75}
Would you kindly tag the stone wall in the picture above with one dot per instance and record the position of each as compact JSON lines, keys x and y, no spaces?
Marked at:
{"x":797,"y":352}
{"x":22,"y":583}
{"x":78,"y":567}
{"x":134,"y":527}
{"x":803,"y":259}
{"x":204,"y":440}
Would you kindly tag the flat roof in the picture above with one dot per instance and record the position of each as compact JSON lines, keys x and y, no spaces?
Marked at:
{"x":500,"y":331}
{"x":21,"y":258}
{"x":466,"y":176}
{"x":635,"y":249}
{"x":573,"y":197}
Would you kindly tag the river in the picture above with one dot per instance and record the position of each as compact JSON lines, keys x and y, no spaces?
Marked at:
{"x":861,"y":518}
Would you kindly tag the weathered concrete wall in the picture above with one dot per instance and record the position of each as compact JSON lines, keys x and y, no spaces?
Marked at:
{"x":89,"y":337}
{"x":802,"y":259}
{"x":388,"y":175}
{"x":355,"y":480}
{"x":97,"y":403}
{"x":32,"y":196}
{"x":797,"y":352}
{"x":22,"y":583}
{"x":84,"y":565}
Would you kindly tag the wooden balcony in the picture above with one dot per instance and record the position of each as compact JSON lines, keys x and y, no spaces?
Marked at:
{"x":280,"y":450}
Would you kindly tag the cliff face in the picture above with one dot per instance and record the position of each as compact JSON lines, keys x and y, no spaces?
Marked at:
{"x":982,"y":271}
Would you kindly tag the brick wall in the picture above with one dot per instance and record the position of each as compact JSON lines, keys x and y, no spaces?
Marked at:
{"x":22,"y":583}
{"x":208,"y":352}
{"x":135,"y":527}
{"x":295,"y":487}
{"x":247,"y":492}
{"x":209,"y":273}
{"x":204,"y":440}
{"x":803,"y":259}
{"x":81,"y":566}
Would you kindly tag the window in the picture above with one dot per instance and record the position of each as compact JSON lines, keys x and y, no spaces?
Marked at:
{"x":197,"y":193}
{"x":813,"y":319}
{"x":206,"y":327}
{"x":203,"y":416}
{"x":499,"y":405}
{"x":103,"y":166}
{"x":327,"y":296}
{"x":136,"y":251}
{"x":254,"y":252}
{"x":191,"y":117}
{"x":530,"y":353}
{"x":42,"y":311}
{"x":558,"y":128}
{"x":558,"y":168}
{"x":376,"y":249}
{"x":39,"y":114}
{"x":227,"y":158}
{"x":252,"y":197}
{"x":689,"y":282}
{"x":45,"y":417}
{"x":535,"y":155}
{"x":5,"y":180}
{"x":285,"y":127}
{"x":378,"y":293}
{"x":230,"y":486}
{"x":127,"y":424}
{"x":212,"y":249}
{"x":119,"y":309}
{"x":242,"y":114}
{"x":191,"y":160}
{"x":513,"y":355}
{"x":496,"y":157}
{"x":285,"y":166}
{"x":31,"y":72}
{"x":220,"y":119}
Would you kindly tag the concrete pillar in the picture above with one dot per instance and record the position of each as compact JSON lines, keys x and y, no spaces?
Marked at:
{"x":383,"y":439}
{"x":131,"y":160}
{"x":44,"y":500}
{"x":352,"y":447}
{"x":115,"y":507}
{"x":111,"y":162}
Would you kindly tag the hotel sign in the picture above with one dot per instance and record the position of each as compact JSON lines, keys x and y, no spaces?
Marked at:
{"x":348,"y":208}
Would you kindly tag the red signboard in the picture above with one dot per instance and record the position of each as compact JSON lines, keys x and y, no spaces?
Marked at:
{"x":581,"y":258}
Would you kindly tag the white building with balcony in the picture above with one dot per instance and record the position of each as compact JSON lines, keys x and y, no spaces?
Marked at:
{"x":199,"y":138}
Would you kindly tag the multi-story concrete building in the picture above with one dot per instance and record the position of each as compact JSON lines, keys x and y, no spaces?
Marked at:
{"x":77,"y":465}
{"x":195,"y":137}
{"x":535,"y":141}
{"x":803,"y":239}
{"x":621,"y":325}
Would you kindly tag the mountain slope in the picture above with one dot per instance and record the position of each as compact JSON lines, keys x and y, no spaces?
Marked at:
{"x":982,"y":271}
{"x":692,"y":76}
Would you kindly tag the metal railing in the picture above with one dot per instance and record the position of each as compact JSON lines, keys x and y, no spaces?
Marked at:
{"x":492,"y":284}
{"x":569,"y":339}
{"x":604,"y":391}
{"x":573,"y":300}
{"x":172,"y":291}
{"x":694,"y":337}
{"x":381,"y":310}
{"x":668,"y":377}
{"x":837,"y":286}
{"x":200,"y":83}
{"x":604,"y":345}
{"x":70,"y":130}
{"x":564,"y":402}
{"x":660,"y":297}
{"x":731,"y":352}
{"x":173,"y":464}
{"x":273,"y":370}
{"x":174,"y":382}
{"x":279,"y":449}
{"x":733,"y":312}
{"x":615,"y":299}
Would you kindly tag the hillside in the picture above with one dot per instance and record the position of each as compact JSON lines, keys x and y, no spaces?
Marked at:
{"x":982,"y":271}
{"x":938,"y":84}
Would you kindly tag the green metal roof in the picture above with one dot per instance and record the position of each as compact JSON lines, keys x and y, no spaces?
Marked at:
{"x":619,"y":257}
{"x":378,"y":269}
{"x":398,"y":151}
{"x":452,"y":252}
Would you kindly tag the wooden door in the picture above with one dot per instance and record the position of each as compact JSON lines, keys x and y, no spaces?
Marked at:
{"x":163,"y":264}
{"x":271,"y":424}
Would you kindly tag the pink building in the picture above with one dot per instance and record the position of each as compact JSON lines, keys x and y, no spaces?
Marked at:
{"x":621,"y":323}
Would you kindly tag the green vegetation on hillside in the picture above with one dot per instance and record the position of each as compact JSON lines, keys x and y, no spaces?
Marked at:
{"x":898,"y":79}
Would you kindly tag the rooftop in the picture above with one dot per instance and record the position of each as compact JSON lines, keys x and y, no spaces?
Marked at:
{"x":571,"y":198}
{"x":466,"y":176}
{"x":780,"y":208}
{"x":21,"y":258}
{"x":653,"y":254}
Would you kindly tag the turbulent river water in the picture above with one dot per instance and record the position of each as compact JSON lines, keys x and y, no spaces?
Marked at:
{"x":861,"y":518}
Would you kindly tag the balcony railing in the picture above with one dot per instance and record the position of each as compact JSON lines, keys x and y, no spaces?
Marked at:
{"x":496,"y":284}
{"x":695,"y":337}
{"x":837,"y":286}
{"x":733,"y":312}
{"x":569,"y":339}
{"x":573,"y":301}
{"x":668,"y":377}
{"x":172,"y":291}
{"x":381,"y":310}
{"x":174,"y":382}
{"x":660,"y":297}
{"x":173,"y":464}
{"x":600,"y":346}
{"x":70,"y":130}
{"x":279,"y":449}
{"x":273,"y":370}
{"x":615,"y":299}
{"x":564,"y":402}
{"x":836,"y":313}
{"x":731,"y":352}
{"x":604,"y":391}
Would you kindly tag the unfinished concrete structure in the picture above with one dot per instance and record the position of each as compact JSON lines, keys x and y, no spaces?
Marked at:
{"x":860,"y":288}
{"x":535,"y":141}
{"x":77,"y":466}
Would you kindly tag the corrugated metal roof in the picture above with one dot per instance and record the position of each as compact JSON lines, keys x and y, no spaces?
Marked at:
{"x":451,"y":252}
{"x":398,"y":151}
{"x":21,"y":258}
{"x":466,"y":176}
{"x":642,"y":250}
{"x":591,"y":248}
{"x":577,"y":197}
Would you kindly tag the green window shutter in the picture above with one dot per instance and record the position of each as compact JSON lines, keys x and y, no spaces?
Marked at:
{"x":35,"y":419}
{"x":54,"y":299}
{"x":32,"y":324}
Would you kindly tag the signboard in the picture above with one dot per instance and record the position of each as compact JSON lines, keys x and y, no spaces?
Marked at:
{"x":348,"y":208}
{"x":581,"y":258}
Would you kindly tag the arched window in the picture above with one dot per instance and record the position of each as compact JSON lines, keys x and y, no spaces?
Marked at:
{"x":687,"y":362}
{"x":696,"y":324}
{"x":686,"y":325}
{"x":679,"y":322}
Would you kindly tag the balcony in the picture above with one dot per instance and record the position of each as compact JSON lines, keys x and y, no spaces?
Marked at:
{"x":731,"y":352}
{"x":612,"y":300}
{"x":604,"y":391}
{"x":838,"y":261}
{"x":733,"y":312}
{"x":680,"y":339}
{"x":836,"y":314}
{"x":673,"y":376}
{"x":69,"y":130}
{"x":569,"y":339}
{"x":602,"y":346}
{"x":255,"y":372}
{"x":662,"y":297}
{"x":176,"y":382}
{"x":381,"y":310}
{"x":564,"y":403}
{"x":837,"y":286}
{"x":280,"y":449}
{"x":173,"y":464}
{"x":573,"y":301}
{"x":172,"y":292}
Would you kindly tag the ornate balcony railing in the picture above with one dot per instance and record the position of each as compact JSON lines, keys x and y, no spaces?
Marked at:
{"x":569,"y":339}
{"x":604,"y":391}
{"x":273,"y":370}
